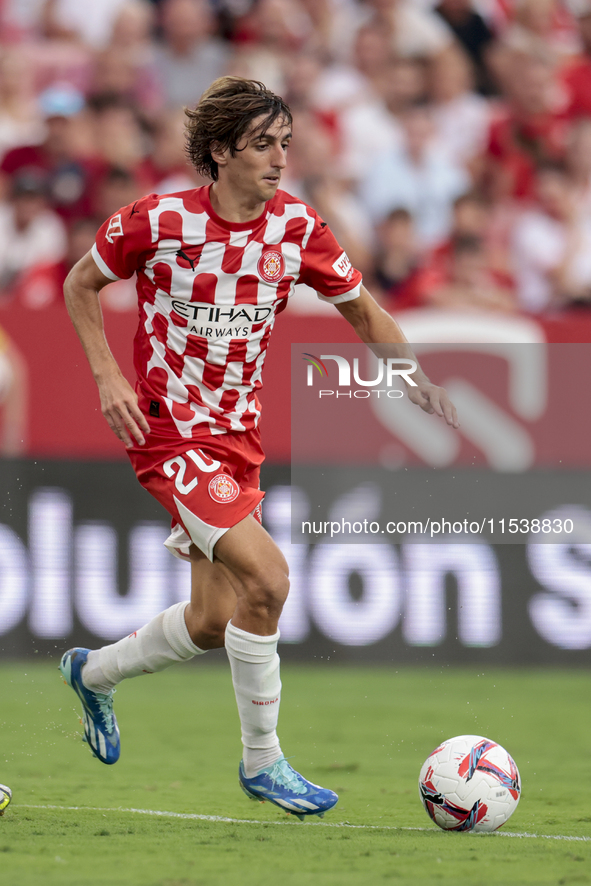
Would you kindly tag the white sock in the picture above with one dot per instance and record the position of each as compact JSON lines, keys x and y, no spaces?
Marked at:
{"x":255,"y":675}
{"x":161,"y":643}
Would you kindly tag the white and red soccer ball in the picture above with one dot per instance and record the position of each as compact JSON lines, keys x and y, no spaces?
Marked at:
{"x":469,"y":783}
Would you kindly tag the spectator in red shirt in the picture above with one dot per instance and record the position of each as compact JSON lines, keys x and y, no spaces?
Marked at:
{"x":552,"y":245}
{"x":398,"y":262}
{"x":43,"y":285}
{"x":471,"y":213}
{"x":577,"y":76}
{"x":531,"y":130}
{"x":578,"y":161}
{"x":475,"y":221}
{"x":468,"y":282}
{"x":71,"y":177}
{"x":31,"y":235}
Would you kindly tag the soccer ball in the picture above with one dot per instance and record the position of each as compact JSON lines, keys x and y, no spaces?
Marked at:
{"x":5,"y":797}
{"x":469,"y":783}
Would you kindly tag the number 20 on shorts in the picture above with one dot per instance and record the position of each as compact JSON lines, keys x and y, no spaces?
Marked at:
{"x":178,"y":466}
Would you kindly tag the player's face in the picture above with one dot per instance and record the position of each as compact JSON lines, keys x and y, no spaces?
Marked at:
{"x":255,"y":170}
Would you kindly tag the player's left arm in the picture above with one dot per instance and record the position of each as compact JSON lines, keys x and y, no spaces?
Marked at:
{"x":376,"y":327}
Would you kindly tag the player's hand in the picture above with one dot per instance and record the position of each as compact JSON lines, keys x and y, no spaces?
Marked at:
{"x":119,"y":405}
{"x":433,"y":399}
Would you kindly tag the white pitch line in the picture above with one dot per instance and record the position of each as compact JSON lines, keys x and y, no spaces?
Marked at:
{"x":194,"y":816}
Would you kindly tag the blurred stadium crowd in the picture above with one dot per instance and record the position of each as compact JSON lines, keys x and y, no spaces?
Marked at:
{"x":448,"y":144}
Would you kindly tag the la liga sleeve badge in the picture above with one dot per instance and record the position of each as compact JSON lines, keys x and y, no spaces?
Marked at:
{"x":115,"y":228}
{"x":271,"y":266}
{"x":223,"y":489}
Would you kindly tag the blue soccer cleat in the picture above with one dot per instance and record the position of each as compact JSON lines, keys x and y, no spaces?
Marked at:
{"x":100,"y":724}
{"x":286,"y":788}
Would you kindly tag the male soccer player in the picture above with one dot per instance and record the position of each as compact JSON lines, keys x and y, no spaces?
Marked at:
{"x":214,"y":266}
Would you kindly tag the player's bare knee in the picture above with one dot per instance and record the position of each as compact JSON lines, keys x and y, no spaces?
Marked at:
{"x":267,"y":591}
{"x":211,"y":636}
{"x":205,"y":632}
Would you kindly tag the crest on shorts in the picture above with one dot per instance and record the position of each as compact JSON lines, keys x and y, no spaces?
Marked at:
{"x":223,"y":488}
{"x":271,"y":266}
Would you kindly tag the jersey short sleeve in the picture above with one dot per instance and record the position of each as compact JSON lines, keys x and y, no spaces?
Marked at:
{"x":122,"y":239}
{"x":327,"y":268}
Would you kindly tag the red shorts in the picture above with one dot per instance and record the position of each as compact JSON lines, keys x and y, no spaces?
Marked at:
{"x":207,"y":485}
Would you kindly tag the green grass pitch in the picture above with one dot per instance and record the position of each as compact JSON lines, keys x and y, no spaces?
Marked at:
{"x":362,"y":731}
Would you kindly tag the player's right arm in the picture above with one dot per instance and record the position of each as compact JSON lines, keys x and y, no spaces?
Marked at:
{"x":119,"y":403}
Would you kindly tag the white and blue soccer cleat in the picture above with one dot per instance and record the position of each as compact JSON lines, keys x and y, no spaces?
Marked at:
{"x":100,"y":724}
{"x":286,"y":788}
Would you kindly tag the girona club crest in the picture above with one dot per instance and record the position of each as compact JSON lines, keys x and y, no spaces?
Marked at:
{"x":271,"y":266}
{"x":223,"y":488}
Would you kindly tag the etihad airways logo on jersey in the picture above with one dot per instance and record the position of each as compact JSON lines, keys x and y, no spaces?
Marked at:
{"x":214,"y":321}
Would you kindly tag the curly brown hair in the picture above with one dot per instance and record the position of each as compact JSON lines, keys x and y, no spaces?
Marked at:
{"x":223,"y":117}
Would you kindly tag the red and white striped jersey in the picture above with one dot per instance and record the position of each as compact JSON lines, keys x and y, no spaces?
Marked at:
{"x":208,"y":293}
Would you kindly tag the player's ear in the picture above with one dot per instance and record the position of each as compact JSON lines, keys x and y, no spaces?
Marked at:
{"x":219,"y":155}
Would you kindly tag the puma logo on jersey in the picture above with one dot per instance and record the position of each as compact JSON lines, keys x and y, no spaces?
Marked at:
{"x":192,"y":261}
{"x":115,"y":228}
